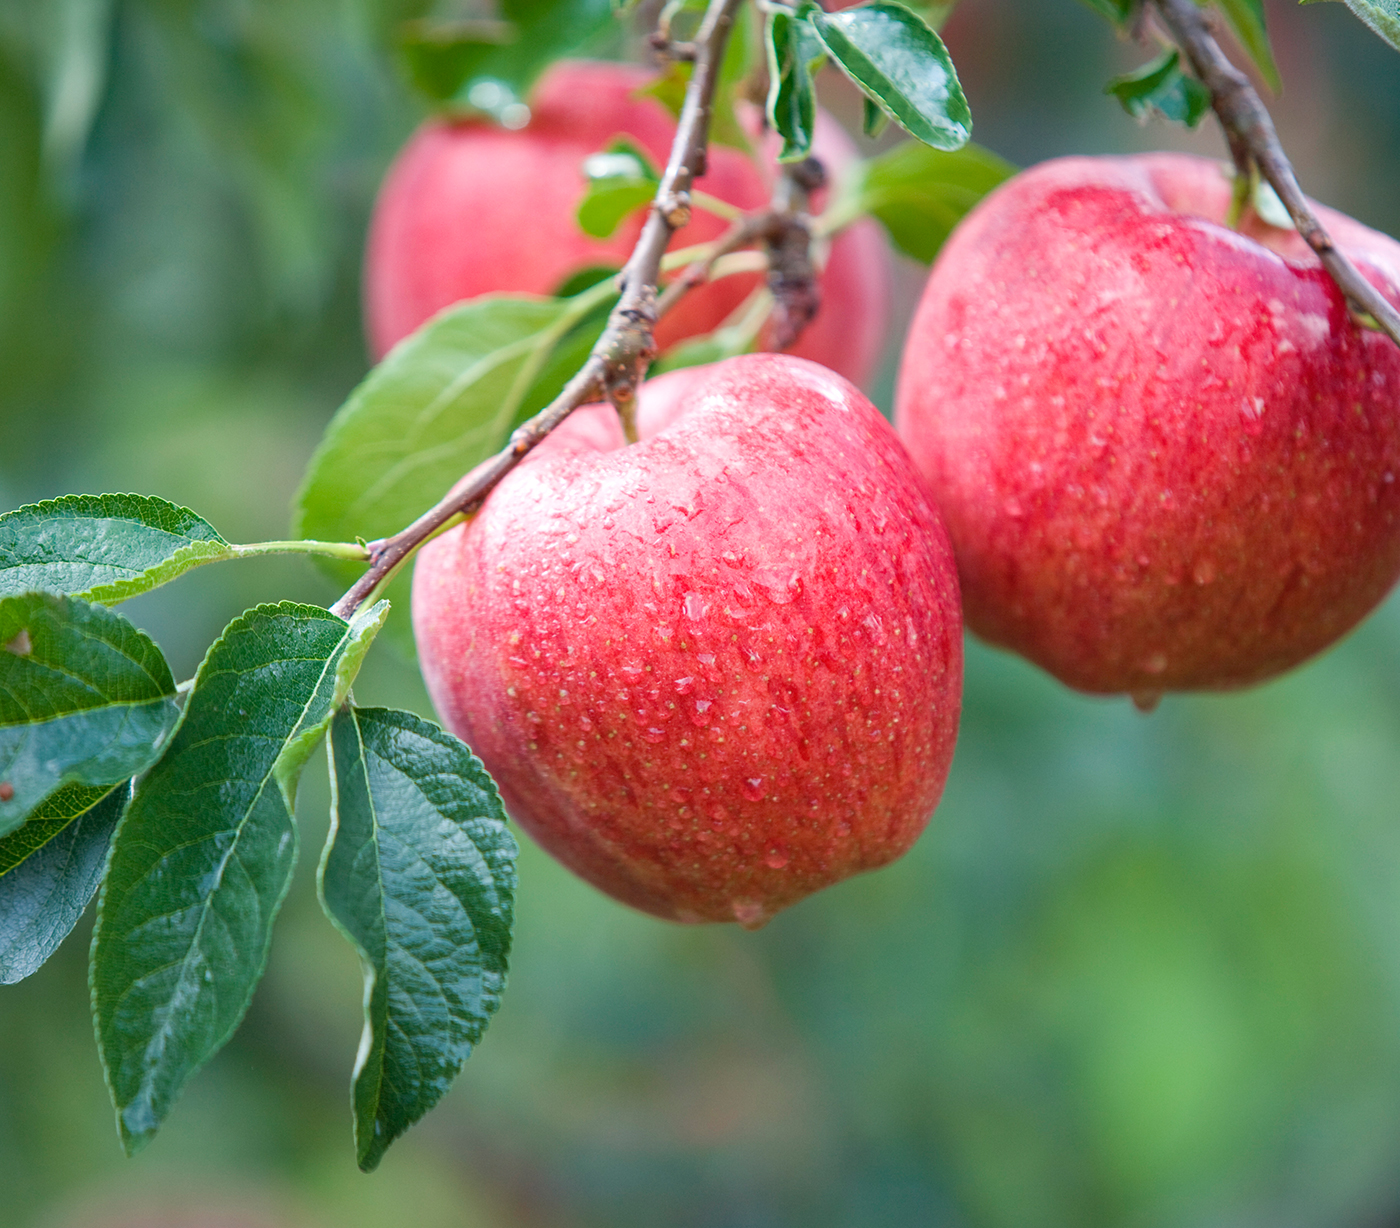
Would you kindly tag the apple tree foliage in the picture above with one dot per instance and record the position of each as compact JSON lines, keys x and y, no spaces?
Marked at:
{"x":173,"y":803}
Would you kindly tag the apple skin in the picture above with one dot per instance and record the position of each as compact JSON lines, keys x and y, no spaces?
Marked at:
{"x":719,"y":669}
{"x":470,"y":208}
{"x":1166,"y":456}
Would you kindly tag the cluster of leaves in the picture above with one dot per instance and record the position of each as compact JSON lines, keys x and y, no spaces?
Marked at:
{"x":896,"y":59}
{"x":178,"y":802}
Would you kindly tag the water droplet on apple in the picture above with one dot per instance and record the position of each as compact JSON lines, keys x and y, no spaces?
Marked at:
{"x":684,"y":686}
{"x":694,"y":606}
{"x":750,"y":915}
{"x":653,"y":735}
{"x":1155,"y":662}
{"x":1204,"y":571}
{"x":754,"y":788}
{"x":701,"y":714}
{"x":1012,"y":507}
{"x":1146,"y":701}
{"x":776,"y":859}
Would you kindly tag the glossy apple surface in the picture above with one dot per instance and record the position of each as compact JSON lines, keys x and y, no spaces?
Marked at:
{"x":470,"y":208}
{"x":716,"y":670}
{"x":1167,"y":457}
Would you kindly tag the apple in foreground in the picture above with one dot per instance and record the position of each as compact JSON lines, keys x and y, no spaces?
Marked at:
{"x":1166,"y":455}
{"x":470,"y":208}
{"x":718,"y":669}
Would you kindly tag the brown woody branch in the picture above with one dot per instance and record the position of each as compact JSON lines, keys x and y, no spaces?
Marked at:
{"x":785,"y":231}
{"x":619,"y":359}
{"x":1254,"y":145}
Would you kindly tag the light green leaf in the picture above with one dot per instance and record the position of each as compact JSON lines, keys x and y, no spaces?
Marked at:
{"x":419,"y":874}
{"x":903,"y":66}
{"x":1246,"y":18}
{"x":104,"y":548}
{"x":920,"y":194}
{"x":1162,"y":87}
{"x":794,"y":54}
{"x":85,"y":698}
{"x":49,"y":870}
{"x":621,"y":180}
{"x":442,"y":401}
{"x":203,"y":857}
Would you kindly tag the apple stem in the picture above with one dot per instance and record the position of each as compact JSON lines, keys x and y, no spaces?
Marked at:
{"x":621,"y":355}
{"x":1255,"y":147}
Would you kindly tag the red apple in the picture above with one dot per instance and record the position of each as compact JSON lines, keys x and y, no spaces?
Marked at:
{"x":716,"y":670}
{"x":470,"y":208}
{"x":1166,"y":455}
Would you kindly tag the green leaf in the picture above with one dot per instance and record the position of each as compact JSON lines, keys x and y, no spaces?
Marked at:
{"x":443,"y":56}
{"x":585,"y":279}
{"x":1383,"y":16}
{"x":441,"y":402}
{"x":542,"y":31}
{"x":419,"y":874}
{"x":620,"y":180}
{"x":49,"y":870}
{"x":1161,"y":86}
{"x":85,"y":698}
{"x":873,"y":120}
{"x":919,"y":194}
{"x":794,"y":54}
{"x":47,"y":821}
{"x":1246,"y":18}
{"x":903,"y":66}
{"x":1119,"y":12}
{"x":104,"y":548}
{"x":203,"y":857}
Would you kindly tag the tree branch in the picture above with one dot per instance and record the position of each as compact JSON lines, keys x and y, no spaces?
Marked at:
{"x":1254,"y":144}
{"x":619,"y":359}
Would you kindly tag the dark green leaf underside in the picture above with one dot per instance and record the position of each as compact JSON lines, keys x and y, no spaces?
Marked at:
{"x":205,"y":852}
{"x":419,"y":874}
{"x":85,"y":698}
{"x":793,"y":53}
{"x":105,"y":548}
{"x":903,"y":66}
{"x":48,"y":875}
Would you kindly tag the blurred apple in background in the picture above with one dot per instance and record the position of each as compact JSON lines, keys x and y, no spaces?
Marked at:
{"x":470,"y":208}
{"x":1167,"y":456}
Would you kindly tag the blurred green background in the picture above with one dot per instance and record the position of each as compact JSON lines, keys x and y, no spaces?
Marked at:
{"x":1140,"y":970}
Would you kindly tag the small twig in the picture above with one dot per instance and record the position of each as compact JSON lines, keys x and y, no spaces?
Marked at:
{"x":746,"y":230}
{"x":1254,"y":144}
{"x":791,"y":277}
{"x":785,"y":231}
{"x":619,"y":359}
